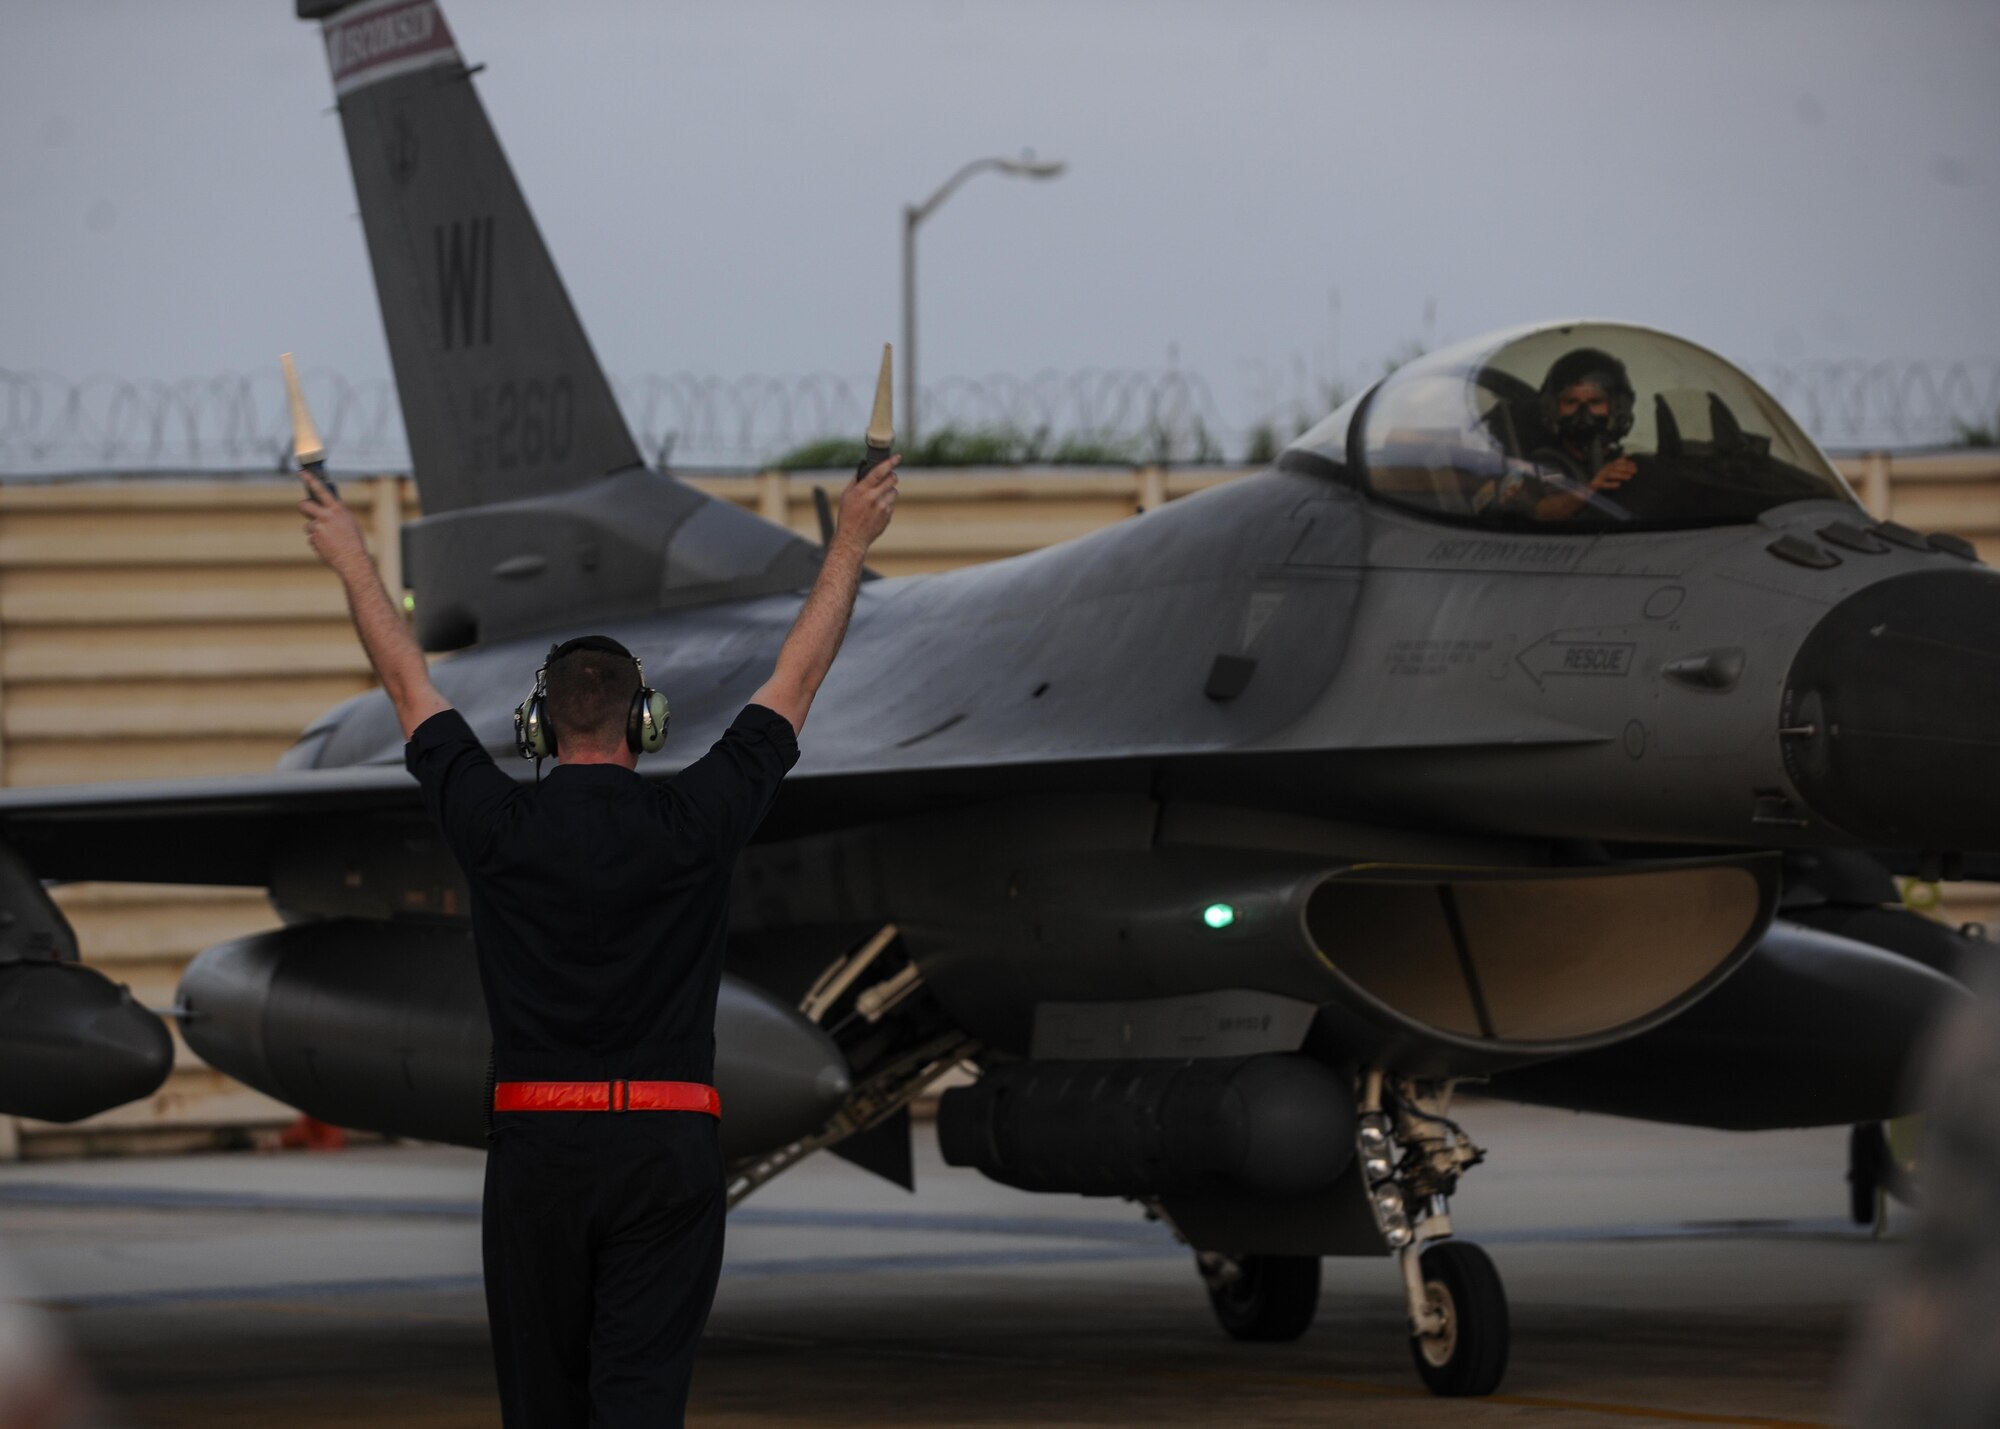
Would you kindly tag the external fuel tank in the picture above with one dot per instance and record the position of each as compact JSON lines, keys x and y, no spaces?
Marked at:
{"x":381,"y":1026}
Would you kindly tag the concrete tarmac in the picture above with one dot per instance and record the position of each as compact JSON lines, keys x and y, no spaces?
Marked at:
{"x":1656,"y":1275}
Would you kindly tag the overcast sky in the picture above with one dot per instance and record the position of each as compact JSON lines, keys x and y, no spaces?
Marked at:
{"x":721,"y":184}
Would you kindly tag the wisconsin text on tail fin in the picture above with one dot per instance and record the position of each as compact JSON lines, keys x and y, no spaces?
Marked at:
{"x":538,"y":509}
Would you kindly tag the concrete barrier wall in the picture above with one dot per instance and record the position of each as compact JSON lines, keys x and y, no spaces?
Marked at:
{"x":169,"y":626}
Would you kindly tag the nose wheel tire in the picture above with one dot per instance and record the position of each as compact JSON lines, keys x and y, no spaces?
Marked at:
{"x":1266,"y":1297}
{"x":1469,"y":1354}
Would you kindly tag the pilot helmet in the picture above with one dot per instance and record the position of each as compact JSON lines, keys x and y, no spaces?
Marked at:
{"x":1601,"y":370}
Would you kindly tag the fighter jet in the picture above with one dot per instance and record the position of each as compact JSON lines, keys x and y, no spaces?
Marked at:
{"x":1529,"y":723}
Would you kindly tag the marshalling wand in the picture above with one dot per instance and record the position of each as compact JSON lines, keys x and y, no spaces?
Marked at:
{"x":307,"y":449}
{"x":881,"y":428}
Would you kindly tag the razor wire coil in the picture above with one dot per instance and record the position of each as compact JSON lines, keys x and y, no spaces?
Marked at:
{"x":50,"y":423}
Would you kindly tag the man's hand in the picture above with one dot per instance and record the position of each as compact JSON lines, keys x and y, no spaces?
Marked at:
{"x":1615,"y":474}
{"x":867,"y":504}
{"x":332,"y":530}
{"x":865,"y":509}
{"x":1563,"y":504}
{"x":336,"y":539}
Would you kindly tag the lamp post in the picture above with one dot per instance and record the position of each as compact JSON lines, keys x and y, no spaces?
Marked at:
{"x":1027,"y":166}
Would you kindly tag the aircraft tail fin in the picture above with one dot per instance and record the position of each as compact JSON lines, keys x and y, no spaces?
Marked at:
{"x":538,"y":511}
{"x":502,"y":396}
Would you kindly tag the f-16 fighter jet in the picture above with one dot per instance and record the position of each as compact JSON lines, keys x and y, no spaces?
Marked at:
{"x":1535,"y":721}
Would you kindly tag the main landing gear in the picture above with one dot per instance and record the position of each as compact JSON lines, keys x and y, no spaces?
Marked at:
{"x":1411,"y":1156}
{"x":1881,"y":1166}
{"x":1266,"y":1298}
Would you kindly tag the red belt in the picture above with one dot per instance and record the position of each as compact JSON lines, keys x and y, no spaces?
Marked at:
{"x":606,"y":1096}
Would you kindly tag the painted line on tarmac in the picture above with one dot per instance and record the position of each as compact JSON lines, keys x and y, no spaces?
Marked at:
{"x":1832,"y":1228}
{"x":173,"y":1198}
{"x":731,"y":1270}
{"x":1155,"y":1248}
{"x":1052,"y":1227}
{"x":168,"y":1198}
{"x":948,"y":1260}
{"x":254,"y":1294}
{"x":1656,"y":1413}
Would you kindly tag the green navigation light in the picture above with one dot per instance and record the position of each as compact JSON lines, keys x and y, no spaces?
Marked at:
{"x":1218,"y":915}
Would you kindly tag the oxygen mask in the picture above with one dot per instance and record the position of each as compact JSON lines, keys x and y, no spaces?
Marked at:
{"x":1584,"y":430}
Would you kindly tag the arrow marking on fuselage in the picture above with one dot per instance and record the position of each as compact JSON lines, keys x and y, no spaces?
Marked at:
{"x":1552,"y":655}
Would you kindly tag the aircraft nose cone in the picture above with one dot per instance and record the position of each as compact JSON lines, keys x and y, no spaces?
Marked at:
{"x":1891,"y":713}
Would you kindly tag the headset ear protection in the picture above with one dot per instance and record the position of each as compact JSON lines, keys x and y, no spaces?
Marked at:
{"x":645,"y":721}
{"x":534,"y":734}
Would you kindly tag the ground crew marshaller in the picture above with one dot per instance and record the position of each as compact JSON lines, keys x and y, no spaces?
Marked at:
{"x":599,"y":904}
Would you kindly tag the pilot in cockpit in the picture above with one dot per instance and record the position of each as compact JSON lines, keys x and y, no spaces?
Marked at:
{"x":1570,"y":434}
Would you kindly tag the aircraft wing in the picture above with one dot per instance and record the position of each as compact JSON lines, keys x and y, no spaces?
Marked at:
{"x":230,"y":830}
{"x":215,"y":830}
{"x":227,"y":830}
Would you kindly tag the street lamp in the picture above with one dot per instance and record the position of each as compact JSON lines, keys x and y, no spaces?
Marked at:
{"x":1028,"y":167}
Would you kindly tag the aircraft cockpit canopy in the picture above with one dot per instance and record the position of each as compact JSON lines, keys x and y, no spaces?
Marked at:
{"x":1591,"y":426}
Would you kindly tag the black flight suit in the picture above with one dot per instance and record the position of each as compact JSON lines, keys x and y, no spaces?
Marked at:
{"x":599,"y":907}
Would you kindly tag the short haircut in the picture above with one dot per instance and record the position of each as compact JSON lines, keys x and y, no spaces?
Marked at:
{"x":591,"y":683}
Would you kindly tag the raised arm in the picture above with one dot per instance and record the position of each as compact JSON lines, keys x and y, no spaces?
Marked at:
{"x":865,"y":509}
{"x":399,"y":663}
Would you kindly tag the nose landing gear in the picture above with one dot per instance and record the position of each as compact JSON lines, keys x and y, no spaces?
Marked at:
{"x":1463,"y":1350}
{"x":1411,"y":1156}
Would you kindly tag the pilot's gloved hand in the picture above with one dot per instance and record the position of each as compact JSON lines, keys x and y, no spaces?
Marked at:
{"x":1615,"y":474}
